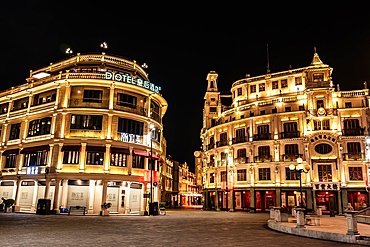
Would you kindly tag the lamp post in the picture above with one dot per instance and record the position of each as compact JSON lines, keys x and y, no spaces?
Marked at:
{"x":298,"y":168}
{"x":227,"y":187}
{"x":151,"y":170}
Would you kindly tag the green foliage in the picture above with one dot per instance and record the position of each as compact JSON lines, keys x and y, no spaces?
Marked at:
{"x":162,"y":204}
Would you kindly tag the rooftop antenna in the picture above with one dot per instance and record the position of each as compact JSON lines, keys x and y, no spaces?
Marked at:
{"x":268,"y":60}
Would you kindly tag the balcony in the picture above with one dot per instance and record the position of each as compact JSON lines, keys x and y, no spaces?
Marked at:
{"x":211,"y":164}
{"x":263,"y":158}
{"x":289,"y":134}
{"x":221,"y":143}
{"x":239,"y":139}
{"x":241,"y":160}
{"x":134,"y":109}
{"x":353,"y":132}
{"x":291,"y":157}
{"x":354,"y":156}
{"x":210,"y":146}
{"x":96,"y":103}
{"x":262,"y":136}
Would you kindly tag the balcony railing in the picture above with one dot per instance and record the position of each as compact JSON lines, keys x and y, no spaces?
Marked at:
{"x":93,"y":104}
{"x":354,"y":156}
{"x":241,"y":160}
{"x":137,"y":109}
{"x":210,"y":146}
{"x":262,"y":136}
{"x":221,"y":143}
{"x":263,"y":158}
{"x":290,"y":134}
{"x":239,"y":139}
{"x":291,"y":157}
{"x":353,"y":132}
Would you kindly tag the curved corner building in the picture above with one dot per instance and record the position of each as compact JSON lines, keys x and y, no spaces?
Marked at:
{"x":82,"y":132}
{"x":284,"y":135}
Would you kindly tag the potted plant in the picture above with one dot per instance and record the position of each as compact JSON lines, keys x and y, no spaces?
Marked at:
{"x":8,"y":203}
{"x":104,"y":208}
{"x":284,"y":213}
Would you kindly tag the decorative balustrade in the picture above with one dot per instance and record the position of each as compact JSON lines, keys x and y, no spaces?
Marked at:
{"x":263,"y":158}
{"x":354,"y":156}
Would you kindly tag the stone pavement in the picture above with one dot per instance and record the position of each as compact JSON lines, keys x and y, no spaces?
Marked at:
{"x":178,"y":228}
{"x":330,"y":228}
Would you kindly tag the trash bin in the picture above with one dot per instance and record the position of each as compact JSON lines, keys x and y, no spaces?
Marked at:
{"x":162,"y":211}
{"x":43,"y":206}
{"x":153,"y":208}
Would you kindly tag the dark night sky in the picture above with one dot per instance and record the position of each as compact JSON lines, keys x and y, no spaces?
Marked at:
{"x":183,"y":42}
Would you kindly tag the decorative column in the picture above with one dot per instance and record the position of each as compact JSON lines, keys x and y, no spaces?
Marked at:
{"x":90,"y":206}
{"x":351,"y":223}
{"x":34,"y":198}
{"x":64,"y":193}
{"x":56,"y":196}
{"x":107,"y":158}
{"x":83,"y":157}
{"x":17,"y":208}
{"x":47,"y":188}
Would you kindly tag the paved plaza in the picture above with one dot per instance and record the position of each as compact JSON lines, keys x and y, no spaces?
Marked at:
{"x":176,"y":228}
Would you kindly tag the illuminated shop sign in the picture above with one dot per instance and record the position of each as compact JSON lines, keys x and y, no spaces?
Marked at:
{"x":125,"y":137}
{"x":33,"y":170}
{"x":131,"y":80}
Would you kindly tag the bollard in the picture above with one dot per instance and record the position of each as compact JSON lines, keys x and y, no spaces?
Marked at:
{"x":277,"y":214}
{"x":351,"y":223}
{"x":300,"y":218}
{"x":272,"y":213}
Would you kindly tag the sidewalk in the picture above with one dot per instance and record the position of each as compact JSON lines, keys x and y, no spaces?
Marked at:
{"x":331,"y":228}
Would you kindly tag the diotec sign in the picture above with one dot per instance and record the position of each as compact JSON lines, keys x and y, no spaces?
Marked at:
{"x":131,"y":80}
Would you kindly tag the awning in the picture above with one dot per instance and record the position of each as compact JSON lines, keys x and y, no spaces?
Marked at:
{"x":155,"y":157}
{"x":71,"y":148}
{"x":10,"y":151}
{"x":96,"y":149}
{"x":140,"y":153}
{"x":35,"y":149}
{"x":119,"y":150}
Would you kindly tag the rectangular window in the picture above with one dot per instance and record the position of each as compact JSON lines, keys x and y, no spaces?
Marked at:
{"x":301,"y":108}
{"x":138,"y":161}
{"x":291,"y":174}
{"x":241,"y":175}
{"x":91,"y":122}
{"x":355,"y":173}
{"x":325,"y":174}
{"x":264,"y":174}
{"x":288,"y":109}
{"x":241,"y":153}
{"x":291,"y":149}
{"x":284,"y":83}
{"x":213,"y":109}
{"x":14,"y":131}
{"x":38,"y":158}
{"x":223,"y":176}
{"x":39,"y":127}
{"x":71,"y":157}
{"x":93,"y":96}
{"x":240,"y":91}
{"x":118,"y":159}
{"x":348,"y":104}
{"x":93,"y":158}
{"x":298,"y":81}
{"x":252,"y":88}
{"x":275,"y":85}
{"x":318,"y":77}
{"x":262,"y":87}
{"x":319,"y":103}
{"x":353,"y":147}
{"x":11,"y":161}
{"x":263,"y":112}
{"x":126,"y":100}
{"x":211,"y":178}
{"x":130,"y":126}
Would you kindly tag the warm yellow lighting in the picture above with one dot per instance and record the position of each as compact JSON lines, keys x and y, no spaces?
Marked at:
{"x":41,"y":75}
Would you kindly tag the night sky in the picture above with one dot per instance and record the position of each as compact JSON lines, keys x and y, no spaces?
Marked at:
{"x":182,"y":41}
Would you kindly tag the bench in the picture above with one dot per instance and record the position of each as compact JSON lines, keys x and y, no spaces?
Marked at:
{"x":313,"y":220}
{"x":77,"y":210}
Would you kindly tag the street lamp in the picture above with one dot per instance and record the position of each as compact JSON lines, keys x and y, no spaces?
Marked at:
{"x":151,"y":169}
{"x":227,"y":187}
{"x":104,"y":45}
{"x":299,"y":168}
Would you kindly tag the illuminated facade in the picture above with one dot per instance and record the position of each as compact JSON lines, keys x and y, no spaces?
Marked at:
{"x":282,"y":119}
{"x":81,"y":132}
